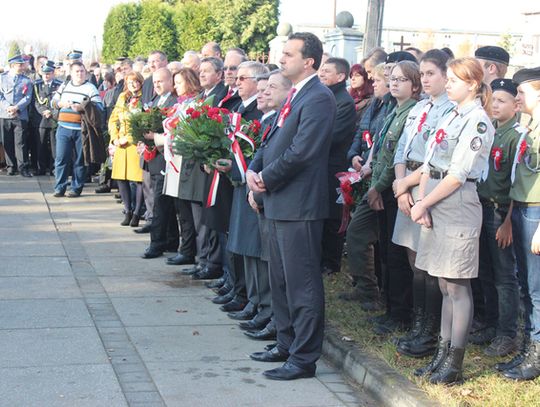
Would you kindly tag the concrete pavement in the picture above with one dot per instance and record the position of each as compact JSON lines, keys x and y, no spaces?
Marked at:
{"x":84,"y":321}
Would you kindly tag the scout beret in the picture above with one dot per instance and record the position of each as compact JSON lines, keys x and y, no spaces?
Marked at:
{"x":399,"y":56}
{"x":504,"y":84}
{"x":527,"y":75}
{"x":17,"y":59}
{"x":493,"y":53}
{"x":48,"y":66}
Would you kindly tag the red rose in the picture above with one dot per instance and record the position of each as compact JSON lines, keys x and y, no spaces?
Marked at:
{"x":195,"y":114}
{"x":190,"y":110}
{"x":224,"y":111}
{"x":218,"y":119}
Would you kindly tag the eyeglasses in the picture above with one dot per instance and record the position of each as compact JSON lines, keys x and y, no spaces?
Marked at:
{"x":401,"y":79}
{"x":230,"y":68}
{"x":243,"y":78}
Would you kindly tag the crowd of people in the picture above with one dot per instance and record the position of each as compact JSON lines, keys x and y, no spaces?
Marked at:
{"x":444,"y":235}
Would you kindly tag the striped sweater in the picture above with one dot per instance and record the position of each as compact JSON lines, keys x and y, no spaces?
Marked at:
{"x":69,"y":118}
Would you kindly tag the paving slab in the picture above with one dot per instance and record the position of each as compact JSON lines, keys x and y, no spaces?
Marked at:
{"x":38,"y":287}
{"x":34,"y":266}
{"x":61,"y":386}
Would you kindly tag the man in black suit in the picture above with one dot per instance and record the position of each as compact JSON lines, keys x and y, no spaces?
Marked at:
{"x":243,"y":240}
{"x":291,"y":168}
{"x":164,"y":228}
{"x":42,"y":117}
{"x":208,"y":221}
{"x":156,"y":60}
{"x":334,"y":74}
{"x":233,"y":58}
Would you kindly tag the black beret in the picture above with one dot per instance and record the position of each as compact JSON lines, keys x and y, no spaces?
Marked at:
{"x":493,"y":53}
{"x":527,"y":75}
{"x":504,"y":84}
{"x":121,"y":59}
{"x":399,"y":56}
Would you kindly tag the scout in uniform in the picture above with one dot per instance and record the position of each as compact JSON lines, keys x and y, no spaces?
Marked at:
{"x":497,"y":273}
{"x":15,"y":96}
{"x":405,"y":86}
{"x":494,"y":61}
{"x":44,"y":90}
{"x":525,"y":193}
{"x":450,"y":211}
{"x":423,"y":118}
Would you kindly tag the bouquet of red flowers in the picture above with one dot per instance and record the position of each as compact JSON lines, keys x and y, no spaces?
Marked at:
{"x":145,"y":120}
{"x":246,"y":133}
{"x":351,"y":190}
{"x":201,"y":134}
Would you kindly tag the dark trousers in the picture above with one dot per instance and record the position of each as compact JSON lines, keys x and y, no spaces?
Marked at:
{"x":297,"y":289}
{"x":44,"y":151}
{"x":237,"y":276}
{"x":361,"y":239}
{"x":497,"y":275}
{"x":164,"y":228}
{"x":208,"y":248}
{"x":332,"y":245}
{"x":14,"y":133}
{"x":399,"y":275}
{"x":188,"y":244}
{"x":260,"y":293}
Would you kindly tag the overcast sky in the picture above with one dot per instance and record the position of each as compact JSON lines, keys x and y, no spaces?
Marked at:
{"x":68,"y":24}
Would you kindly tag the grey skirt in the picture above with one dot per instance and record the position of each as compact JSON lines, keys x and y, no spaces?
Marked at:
{"x":450,"y":248}
{"x":407,"y":232}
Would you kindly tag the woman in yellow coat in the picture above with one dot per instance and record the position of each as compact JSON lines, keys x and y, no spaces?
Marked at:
{"x":126,"y":161}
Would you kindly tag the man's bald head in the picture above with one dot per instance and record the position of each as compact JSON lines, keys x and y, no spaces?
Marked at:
{"x":162,"y":79}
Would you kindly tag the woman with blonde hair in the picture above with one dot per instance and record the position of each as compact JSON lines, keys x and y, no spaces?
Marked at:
{"x":450,"y":212}
{"x":126,"y":161}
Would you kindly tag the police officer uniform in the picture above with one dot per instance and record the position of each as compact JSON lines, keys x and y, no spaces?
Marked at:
{"x":15,"y":90}
{"x":459,"y":147}
{"x":43,"y":93}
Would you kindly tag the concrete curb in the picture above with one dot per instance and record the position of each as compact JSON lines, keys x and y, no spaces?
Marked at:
{"x":372,"y":374}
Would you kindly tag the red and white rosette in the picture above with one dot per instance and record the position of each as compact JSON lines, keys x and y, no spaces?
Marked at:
{"x":366,"y":136}
{"x":497,"y":155}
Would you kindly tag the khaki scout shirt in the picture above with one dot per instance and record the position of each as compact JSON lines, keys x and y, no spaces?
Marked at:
{"x":465,"y":149}
{"x":385,"y":146}
{"x":526,"y":186}
{"x":496,"y":187}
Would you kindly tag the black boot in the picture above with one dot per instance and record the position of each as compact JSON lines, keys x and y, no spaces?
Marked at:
{"x":529,"y":368}
{"x":516,"y":360}
{"x":425,"y":343}
{"x":127,"y":219}
{"x":436,"y":361}
{"x":417,"y":325}
{"x":134,"y":220}
{"x":451,"y":371}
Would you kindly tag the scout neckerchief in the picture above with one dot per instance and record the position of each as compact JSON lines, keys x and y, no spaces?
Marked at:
{"x":521,"y":152}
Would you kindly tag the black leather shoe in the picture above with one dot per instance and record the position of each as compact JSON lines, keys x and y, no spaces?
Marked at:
{"x":180,"y":260}
{"x":264,"y":334}
{"x":151,"y":253}
{"x":26,"y":173}
{"x":144,"y":229}
{"x":216,"y":284}
{"x":245,"y":315}
{"x":73,"y":194}
{"x":223,"y":299}
{"x":273,"y":355}
{"x":102,"y":189}
{"x":270,"y":346}
{"x":207,"y":274}
{"x":59,"y":194}
{"x":232,"y":306}
{"x":253,"y":324}
{"x":224,"y":289}
{"x":289,"y":371}
{"x":12,"y":172}
{"x":190,"y":271}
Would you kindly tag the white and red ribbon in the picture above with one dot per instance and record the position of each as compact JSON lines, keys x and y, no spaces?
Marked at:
{"x":236,"y":132}
{"x":366,"y":136}
{"x":212,"y":193}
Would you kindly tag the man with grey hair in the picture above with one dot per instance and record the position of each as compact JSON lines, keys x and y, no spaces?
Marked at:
{"x":174,"y":67}
{"x":156,"y":59}
{"x":191,"y":60}
{"x":211,"y":49}
{"x":233,"y":58}
{"x":244,"y":240}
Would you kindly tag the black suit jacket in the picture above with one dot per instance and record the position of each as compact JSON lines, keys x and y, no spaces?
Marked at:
{"x":156,"y":165}
{"x":244,"y":235}
{"x":148,"y":90}
{"x":41,"y":101}
{"x":294,"y":158}
{"x":219,"y":92}
{"x":233,"y":103}
{"x":342,"y":137}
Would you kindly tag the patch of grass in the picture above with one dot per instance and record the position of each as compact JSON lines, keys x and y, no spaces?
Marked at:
{"x":483,"y":386}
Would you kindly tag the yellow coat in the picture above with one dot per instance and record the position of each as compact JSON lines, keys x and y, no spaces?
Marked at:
{"x":126,"y":161}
